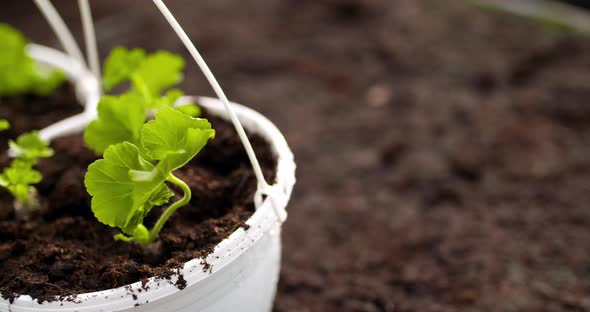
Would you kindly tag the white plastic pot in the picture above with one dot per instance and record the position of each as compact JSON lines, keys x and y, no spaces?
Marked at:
{"x":244,"y":267}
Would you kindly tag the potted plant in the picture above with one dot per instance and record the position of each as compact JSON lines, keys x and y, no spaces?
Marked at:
{"x":135,"y":219}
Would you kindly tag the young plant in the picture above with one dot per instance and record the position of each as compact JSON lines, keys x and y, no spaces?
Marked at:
{"x":138,"y":157}
{"x":120,"y":117}
{"x":131,"y":178}
{"x":19,"y":73}
{"x":20,"y":176}
{"x":18,"y":179}
{"x":149,"y":75}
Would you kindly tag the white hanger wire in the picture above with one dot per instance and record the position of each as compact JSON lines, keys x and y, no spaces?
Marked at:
{"x":263,"y":186}
{"x":61,"y":30}
{"x":90,"y":37}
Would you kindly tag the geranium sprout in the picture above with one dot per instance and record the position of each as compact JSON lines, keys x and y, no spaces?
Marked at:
{"x":20,"y":176}
{"x":131,"y":178}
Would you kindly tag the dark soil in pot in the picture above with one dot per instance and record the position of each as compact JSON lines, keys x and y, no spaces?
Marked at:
{"x":66,"y":251}
{"x":32,"y":112}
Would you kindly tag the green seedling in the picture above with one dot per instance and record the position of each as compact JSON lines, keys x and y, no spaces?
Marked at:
{"x":20,"y":176}
{"x":132,"y":177}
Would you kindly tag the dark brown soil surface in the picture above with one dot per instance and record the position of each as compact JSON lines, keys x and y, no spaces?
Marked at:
{"x":31,"y":112}
{"x":443,"y":150}
{"x":65,"y":251}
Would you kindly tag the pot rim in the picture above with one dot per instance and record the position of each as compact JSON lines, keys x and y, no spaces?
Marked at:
{"x":226,"y":252}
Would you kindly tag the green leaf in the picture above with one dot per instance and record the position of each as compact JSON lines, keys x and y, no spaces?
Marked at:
{"x":13,"y":44}
{"x":168,"y":100}
{"x":18,"y":178}
{"x":30,"y":146}
{"x":156,"y":73}
{"x":150,"y":74}
{"x":174,"y":138}
{"x":15,"y":65}
{"x":190,"y":109}
{"x":120,"y":119}
{"x":21,"y":172}
{"x":18,"y":72}
{"x":20,"y":175}
{"x":119,"y":197}
{"x":4,"y":125}
{"x":119,"y":66}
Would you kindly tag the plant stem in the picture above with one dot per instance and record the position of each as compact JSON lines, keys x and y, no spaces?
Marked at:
{"x":183,"y":201}
{"x":26,"y":206}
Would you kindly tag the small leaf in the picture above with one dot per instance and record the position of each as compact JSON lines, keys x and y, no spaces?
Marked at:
{"x":190,"y":109}
{"x":174,"y":138}
{"x":19,"y":176}
{"x":150,"y":75}
{"x":118,"y":199}
{"x":119,"y":66}
{"x":157,"y":72}
{"x":21,"y":172}
{"x":30,"y":146}
{"x":120,"y":119}
{"x":168,"y":100}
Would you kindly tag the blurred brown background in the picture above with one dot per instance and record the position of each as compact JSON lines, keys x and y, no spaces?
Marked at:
{"x":443,"y":148}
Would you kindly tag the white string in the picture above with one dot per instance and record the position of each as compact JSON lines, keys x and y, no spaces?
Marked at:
{"x":263,"y":186}
{"x":217,"y":88}
{"x":61,"y":30}
{"x":89,"y":37}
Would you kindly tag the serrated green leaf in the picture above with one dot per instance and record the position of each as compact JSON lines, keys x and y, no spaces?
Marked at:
{"x":168,"y":100}
{"x":190,"y":109}
{"x":150,"y":75}
{"x":119,"y":66}
{"x":120,"y":119}
{"x":21,"y":172}
{"x":156,"y":73}
{"x":19,"y":177}
{"x":174,"y":138}
{"x":118,"y":198}
{"x":30,"y":146}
